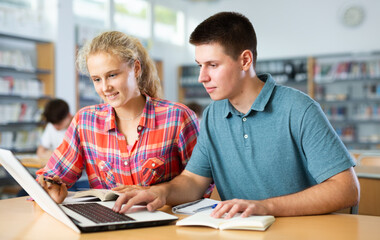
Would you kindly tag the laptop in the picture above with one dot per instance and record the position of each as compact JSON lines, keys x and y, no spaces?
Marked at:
{"x":77,"y":215}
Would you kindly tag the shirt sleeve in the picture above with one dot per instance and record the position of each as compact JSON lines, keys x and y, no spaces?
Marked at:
{"x":45,"y":138}
{"x":66,"y":160}
{"x":188,"y":136}
{"x":199,"y":162}
{"x":325,"y":153}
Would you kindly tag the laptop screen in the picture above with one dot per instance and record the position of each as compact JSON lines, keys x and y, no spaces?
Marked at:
{"x":33,"y":188}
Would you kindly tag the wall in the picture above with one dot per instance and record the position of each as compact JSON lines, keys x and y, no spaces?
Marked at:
{"x":302,"y":27}
{"x":284,"y":29}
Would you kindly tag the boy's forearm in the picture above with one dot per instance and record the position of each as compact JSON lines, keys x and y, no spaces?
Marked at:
{"x":184,"y":188}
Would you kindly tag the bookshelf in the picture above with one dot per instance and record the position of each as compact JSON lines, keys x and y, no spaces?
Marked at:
{"x":348,"y":89}
{"x":347,"y":86}
{"x":190,"y":90}
{"x":26,"y":83}
{"x":292,"y":72}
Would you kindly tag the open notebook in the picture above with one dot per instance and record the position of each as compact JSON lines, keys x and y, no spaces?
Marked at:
{"x":77,"y":215}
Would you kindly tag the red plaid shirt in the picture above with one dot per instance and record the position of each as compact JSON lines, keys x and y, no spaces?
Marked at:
{"x":167,"y":135}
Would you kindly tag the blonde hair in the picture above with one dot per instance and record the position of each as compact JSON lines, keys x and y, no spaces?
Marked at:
{"x":128,"y":49}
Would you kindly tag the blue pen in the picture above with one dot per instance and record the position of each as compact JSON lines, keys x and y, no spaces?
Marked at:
{"x":205,"y":208}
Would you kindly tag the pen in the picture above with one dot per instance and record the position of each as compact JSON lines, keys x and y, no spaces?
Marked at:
{"x":52,"y":181}
{"x":186,"y":204}
{"x":205,"y":208}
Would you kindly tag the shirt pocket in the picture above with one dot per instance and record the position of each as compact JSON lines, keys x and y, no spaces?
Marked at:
{"x":153,"y":170}
{"x":106,"y":174}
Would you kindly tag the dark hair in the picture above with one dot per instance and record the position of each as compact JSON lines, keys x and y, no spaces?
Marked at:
{"x":56,"y":110}
{"x":233,"y":31}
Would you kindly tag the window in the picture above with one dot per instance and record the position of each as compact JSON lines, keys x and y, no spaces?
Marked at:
{"x":93,"y":12}
{"x":22,"y":16}
{"x":169,"y":25}
{"x":90,"y":19}
{"x":133,"y":17}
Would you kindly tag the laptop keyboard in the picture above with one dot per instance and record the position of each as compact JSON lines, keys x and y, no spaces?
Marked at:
{"x":98,"y":213}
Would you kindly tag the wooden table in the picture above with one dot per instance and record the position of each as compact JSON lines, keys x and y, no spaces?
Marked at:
{"x":22,"y":219}
{"x":369,"y":178}
{"x":30,"y":161}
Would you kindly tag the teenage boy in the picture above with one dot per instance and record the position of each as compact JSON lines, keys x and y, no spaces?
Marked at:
{"x":58,"y":117}
{"x":268,"y":148}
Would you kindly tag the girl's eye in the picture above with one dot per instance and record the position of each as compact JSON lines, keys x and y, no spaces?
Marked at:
{"x":96,"y":79}
{"x":112,"y":75}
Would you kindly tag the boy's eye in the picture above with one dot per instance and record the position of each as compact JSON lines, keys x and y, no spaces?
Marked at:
{"x":96,"y":79}
{"x":113,"y":75}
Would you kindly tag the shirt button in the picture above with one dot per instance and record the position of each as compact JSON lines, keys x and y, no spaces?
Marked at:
{"x":153,"y":164}
{"x":244,"y":119}
{"x":139,"y":128}
{"x":126,"y":163}
{"x":245,"y":136}
{"x":101,"y":165}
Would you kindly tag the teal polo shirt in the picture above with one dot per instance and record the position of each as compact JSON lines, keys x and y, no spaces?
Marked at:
{"x":282,"y":145}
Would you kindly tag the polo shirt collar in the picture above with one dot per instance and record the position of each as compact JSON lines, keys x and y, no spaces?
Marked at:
{"x":261,"y":100}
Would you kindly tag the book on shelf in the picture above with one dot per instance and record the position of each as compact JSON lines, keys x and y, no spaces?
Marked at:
{"x":257,"y":223}
{"x":102,"y":194}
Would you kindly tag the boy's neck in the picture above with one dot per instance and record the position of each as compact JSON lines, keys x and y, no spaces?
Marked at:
{"x":251,"y":88}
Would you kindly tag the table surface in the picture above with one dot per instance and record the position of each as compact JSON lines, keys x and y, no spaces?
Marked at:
{"x":22,"y":219}
{"x":367,"y":171}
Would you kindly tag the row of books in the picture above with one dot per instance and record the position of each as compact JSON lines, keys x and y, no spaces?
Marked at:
{"x":372,"y":138}
{"x":346,"y":70}
{"x":359,"y":112}
{"x":372,"y":90}
{"x":283,"y":78}
{"x":290,"y":67}
{"x":189,"y":76}
{"x":365,"y":91}
{"x":21,"y":87}
{"x":16,"y":59}
{"x":346,"y":133}
{"x":367,"y":112}
{"x":20,"y":140}
{"x":19,"y":112}
{"x":335,"y":113}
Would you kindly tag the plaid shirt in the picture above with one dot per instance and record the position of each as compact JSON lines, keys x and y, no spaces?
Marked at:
{"x":167,"y":135}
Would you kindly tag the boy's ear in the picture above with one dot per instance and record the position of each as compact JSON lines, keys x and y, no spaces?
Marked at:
{"x":246,"y":59}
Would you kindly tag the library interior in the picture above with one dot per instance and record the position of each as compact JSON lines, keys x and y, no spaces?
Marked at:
{"x":329,"y":50}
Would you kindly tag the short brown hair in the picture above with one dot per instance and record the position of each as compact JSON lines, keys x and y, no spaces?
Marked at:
{"x":128,"y":49}
{"x":233,"y":31}
{"x":56,"y":110}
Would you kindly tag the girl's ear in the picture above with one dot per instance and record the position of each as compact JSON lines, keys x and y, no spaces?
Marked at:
{"x":246,"y":60}
{"x":137,"y":68}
